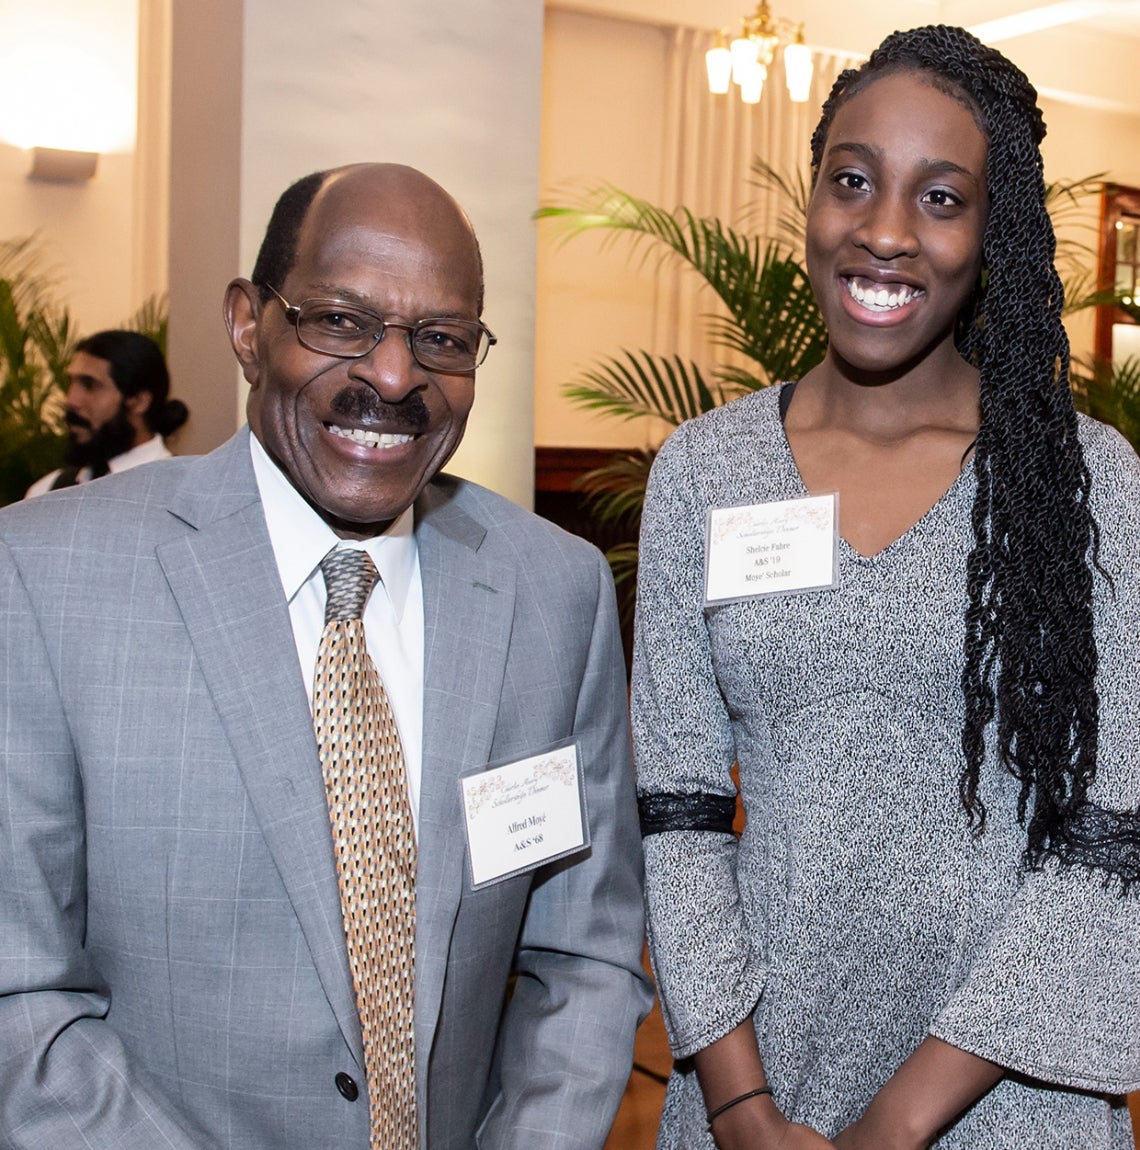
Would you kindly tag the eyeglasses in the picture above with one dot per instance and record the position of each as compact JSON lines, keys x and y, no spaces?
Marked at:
{"x":333,"y":327}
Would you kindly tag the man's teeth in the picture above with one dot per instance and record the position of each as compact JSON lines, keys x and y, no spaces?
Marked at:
{"x":369,"y":438}
{"x":882,"y":298}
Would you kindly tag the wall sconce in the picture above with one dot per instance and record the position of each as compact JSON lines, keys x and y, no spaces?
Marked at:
{"x":61,"y":165}
{"x":68,"y":83}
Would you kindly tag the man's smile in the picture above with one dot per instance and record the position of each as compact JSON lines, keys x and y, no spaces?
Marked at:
{"x":375,"y":439}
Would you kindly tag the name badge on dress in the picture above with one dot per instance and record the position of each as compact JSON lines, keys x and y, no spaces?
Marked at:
{"x":772,"y":548}
{"x":522,"y":814}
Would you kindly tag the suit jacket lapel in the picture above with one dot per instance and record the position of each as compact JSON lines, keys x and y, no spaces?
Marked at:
{"x":468,"y":609}
{"x":225,"y":580}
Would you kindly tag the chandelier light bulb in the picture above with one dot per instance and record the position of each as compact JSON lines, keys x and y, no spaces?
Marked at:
{"x":752,"y":85}
{"x":798,"y":71}
{"x":744,"y":53}
{"x":718,"y":63}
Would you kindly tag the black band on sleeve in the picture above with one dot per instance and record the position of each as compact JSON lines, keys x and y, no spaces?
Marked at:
{"x":1104,"y":840}
{"x":693,"y":812}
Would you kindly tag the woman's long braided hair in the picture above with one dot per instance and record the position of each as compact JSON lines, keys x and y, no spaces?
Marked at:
{"x":1029,"y":619}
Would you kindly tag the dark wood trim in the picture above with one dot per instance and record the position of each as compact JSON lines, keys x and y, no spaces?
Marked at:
{"x":1117,"y":203}
{"x":558,"y":468}
{"x":557,"y":498}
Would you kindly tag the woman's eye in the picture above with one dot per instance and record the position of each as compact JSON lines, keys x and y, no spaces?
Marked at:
{"x":851,"y":180}
{"x":942,"y":198}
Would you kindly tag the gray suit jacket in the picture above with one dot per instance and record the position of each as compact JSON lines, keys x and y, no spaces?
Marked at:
{"x":172,"y":959}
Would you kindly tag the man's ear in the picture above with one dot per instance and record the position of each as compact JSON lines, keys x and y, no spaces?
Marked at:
{"x":242,"y":309}
{"x":139,"y":403}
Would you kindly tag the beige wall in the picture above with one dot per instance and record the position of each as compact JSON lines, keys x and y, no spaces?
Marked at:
{"x":603,"y":89}
{"x":205,"y":184}
{"x":73,"y":54}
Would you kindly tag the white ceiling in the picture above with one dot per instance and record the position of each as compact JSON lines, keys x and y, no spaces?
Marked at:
{"x":1090,"y":56}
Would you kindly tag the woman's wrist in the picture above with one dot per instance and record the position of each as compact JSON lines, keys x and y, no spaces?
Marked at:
{"x":752,"y":1122}
{"x":931,"y":1088}
{"x":713,"y":1115}
{"x":889,"y":1127}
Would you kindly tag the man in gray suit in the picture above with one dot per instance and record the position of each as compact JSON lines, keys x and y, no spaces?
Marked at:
{"x":173,"y":961}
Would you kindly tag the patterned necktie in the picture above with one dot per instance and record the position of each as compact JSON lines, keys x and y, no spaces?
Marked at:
{"x":363,"y":766}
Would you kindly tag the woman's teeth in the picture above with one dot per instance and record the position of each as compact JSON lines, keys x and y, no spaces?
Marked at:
{"x":882,"y":298}
{"x":369,"y":438}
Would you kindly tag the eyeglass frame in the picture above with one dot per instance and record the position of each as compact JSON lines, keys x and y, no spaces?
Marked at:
{"x":293,"y":316}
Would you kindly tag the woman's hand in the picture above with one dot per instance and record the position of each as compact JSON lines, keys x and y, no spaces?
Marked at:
{"x":861,"y":1136}
{"x":763,"y":1127}
{"x":927,"y":1092}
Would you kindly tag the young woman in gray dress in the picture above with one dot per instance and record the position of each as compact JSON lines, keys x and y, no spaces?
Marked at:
{"x":928,"y":933}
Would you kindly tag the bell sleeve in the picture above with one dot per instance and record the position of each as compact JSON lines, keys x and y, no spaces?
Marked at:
{"x":1055,"y":995}
{"x":708,"y":973}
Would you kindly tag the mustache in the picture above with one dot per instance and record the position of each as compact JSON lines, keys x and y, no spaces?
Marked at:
{"x":364,"y":405}
{"x":74,"y":420}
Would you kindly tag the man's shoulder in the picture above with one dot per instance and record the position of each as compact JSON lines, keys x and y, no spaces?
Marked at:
{"x":44,"y":484}
{"x":495,"y":523}
{"x":136,"y":484}
{"x":129,"y":502}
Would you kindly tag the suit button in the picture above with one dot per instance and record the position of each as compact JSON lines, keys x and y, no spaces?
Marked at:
{"x":347,"y":1087}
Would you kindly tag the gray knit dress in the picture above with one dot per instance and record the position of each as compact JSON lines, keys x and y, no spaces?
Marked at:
{"x":857,"y":913}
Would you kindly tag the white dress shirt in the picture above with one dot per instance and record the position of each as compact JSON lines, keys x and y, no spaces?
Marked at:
{"x":393,"y":616}
{"x":154,"y":448}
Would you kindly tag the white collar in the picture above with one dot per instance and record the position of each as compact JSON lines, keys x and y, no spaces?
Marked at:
{"x":147,"y":452}
{"x":301,"y":538}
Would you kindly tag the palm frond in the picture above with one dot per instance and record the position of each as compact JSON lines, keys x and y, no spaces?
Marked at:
{"x":13,"y":334}
{"x":150,"y":318}
{"x":639,"y":383}
{"x":775,"y":320}
{"x":615,"y":492}
{"x":54,"y":336}
{"x":793,"y":193}
{"x":1109,"y":392}
{"x":1074,"y":208}
{"x":23,"y":264}
{"x":35,"y":345}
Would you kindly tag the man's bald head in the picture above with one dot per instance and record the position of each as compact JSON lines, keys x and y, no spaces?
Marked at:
{"x":278,"y":252}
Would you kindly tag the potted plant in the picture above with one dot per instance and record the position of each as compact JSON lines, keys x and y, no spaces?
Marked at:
{"x":768,"y":323}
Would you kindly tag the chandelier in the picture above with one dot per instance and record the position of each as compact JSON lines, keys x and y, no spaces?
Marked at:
{"x":745,"y":62}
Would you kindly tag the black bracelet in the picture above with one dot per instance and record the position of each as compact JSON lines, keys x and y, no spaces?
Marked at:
{"x":713,"y":1114}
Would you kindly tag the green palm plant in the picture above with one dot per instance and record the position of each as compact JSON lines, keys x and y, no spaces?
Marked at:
{"x":1110,"y":392}
{"x":768,"y":321}
{"x":151,"y":318}
{"x":36,"y":337}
